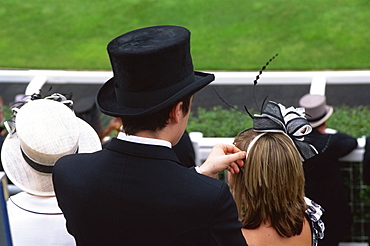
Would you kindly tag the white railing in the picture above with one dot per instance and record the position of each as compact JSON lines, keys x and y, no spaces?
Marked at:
{"x":317,"y":79}
{"x":227,"y":78}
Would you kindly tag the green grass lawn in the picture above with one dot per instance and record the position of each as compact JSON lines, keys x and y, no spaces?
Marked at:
{"x":226,"y":34}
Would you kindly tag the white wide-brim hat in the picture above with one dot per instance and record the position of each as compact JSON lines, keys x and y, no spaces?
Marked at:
{"x":317,"y":112}
{"x":45,"y":131}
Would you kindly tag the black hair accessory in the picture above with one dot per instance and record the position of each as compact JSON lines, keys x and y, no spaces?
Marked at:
{"x":290,"y":121}
{"x":276,"y":118}
{"x":263,"y":68}
{"x":255,"y":83}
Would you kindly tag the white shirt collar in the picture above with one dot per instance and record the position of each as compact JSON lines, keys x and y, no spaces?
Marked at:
{"x":142,"y":140}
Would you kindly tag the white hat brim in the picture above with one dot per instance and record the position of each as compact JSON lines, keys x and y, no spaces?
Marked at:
{"x":28,"y":179}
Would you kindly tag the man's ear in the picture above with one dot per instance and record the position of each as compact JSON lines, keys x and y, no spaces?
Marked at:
{"x":176,"y":113}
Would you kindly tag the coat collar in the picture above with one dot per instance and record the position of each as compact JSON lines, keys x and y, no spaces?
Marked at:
{"x":142,"y":150}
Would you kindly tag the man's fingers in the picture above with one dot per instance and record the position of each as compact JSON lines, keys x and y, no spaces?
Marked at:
{"x":230,"y":170}
{"x":230,"y":149}
{"x":234,"y":167}
{"x":237,"y":157}
{"x":223,"y":157}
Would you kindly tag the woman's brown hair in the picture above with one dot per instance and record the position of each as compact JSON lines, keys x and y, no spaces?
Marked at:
{"x":270,"y":186}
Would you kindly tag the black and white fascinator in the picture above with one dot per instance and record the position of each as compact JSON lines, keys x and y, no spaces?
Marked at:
{"x":290,"y":121}
{"x":275,"y":117}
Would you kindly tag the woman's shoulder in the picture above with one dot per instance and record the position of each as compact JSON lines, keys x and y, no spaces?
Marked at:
{"x":265,"y":234}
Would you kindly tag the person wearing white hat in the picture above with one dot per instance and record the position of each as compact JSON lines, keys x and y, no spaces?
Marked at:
{"x":324,"y":181}
{"x":44,"y":131}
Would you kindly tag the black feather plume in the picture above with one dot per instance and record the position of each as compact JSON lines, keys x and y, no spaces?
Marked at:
{"x":255,"y":83}
{"x":263,"y":68}
{"x":224,"y":101}
{"x":254,"y":97}
{"x":250,"y":115}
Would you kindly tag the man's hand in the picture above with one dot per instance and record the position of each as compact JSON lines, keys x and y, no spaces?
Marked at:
{"x":223,"y":157}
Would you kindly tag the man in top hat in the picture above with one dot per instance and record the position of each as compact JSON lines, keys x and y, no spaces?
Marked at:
{"x":135,"y":191}
{"x":324,"y":181}
{"x":44,"y":131}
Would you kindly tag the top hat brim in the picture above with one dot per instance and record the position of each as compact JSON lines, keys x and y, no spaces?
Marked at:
{"x":329,"y":112}
{"x":28,"y":179}
{"x":156,"y":100}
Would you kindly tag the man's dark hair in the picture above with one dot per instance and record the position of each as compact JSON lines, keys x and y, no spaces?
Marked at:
{"x":155,"y":121}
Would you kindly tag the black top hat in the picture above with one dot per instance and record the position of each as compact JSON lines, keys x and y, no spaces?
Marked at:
{"x":152,"y":69}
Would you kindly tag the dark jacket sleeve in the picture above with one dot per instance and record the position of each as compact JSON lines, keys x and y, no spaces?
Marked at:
{"x":341,"y":144}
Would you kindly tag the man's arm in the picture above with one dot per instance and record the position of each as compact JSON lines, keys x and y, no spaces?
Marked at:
{"x":342,"y":144}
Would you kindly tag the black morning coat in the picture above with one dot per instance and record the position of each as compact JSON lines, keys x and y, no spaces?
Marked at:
{"x":325,"y":183}
{"x":138,"y":194}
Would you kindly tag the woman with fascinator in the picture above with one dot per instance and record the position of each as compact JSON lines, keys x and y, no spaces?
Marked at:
{"x":269,"y":189}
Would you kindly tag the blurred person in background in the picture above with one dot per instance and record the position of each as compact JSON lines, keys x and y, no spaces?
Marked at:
{"x":324,"y":180}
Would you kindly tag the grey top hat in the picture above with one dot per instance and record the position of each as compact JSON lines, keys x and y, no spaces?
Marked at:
{"x":152,"y":69}
{"x":317,"y":112}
